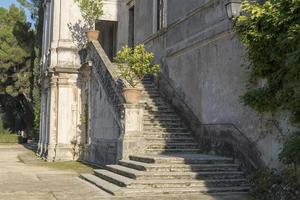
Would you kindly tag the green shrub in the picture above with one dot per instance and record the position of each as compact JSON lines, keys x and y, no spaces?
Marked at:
{"x":275,"y":185}
{"x":135,"y":63}
{"x":290,"y":153}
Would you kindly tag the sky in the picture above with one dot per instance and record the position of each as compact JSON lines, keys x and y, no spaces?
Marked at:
{"x":7,"y":3}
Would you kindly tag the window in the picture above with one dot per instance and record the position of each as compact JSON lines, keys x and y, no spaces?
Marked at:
{"x":161,"y":15}
{"x":131,"y":27}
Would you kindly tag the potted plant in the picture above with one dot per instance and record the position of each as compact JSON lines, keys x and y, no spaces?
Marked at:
{"x":134,"y":64}
{"x":91,"y":11}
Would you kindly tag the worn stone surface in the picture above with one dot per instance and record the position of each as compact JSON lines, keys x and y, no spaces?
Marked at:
{"x":20,"y":181}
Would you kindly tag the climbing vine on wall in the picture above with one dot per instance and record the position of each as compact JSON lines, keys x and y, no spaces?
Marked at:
{"x":270,"y":31}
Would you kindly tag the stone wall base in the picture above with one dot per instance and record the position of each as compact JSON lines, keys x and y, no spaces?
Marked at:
{"x":101,"y":152}
{"x":61,"y":152}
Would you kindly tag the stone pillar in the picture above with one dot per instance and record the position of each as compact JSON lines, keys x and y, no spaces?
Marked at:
{"x":133,"y":140}
{"x":52,"y":137}
{"x":60,"y":119}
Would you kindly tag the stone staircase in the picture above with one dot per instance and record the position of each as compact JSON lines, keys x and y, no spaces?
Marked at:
{"x":173,"y":163}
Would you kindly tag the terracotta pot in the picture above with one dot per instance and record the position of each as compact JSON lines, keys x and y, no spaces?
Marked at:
{"x":92,"y":35}
{"x":132,"y":95}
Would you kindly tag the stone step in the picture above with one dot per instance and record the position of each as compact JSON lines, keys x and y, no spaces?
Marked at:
{"x":123,"y":181}
{"x":154,"y":100}
{"x":114,"y":178}
{"x":178,"y":167}
{"x":181,"y":159}
{"x":163,"y":122}
{"x":102,"y":184}
{"x":192,"y":145}
{"x":188,"y":190}
{"x":151,"y":92}
{"x":124,"y":171}
{"x":160,"y":108}
{"x":159,"y":111}
{"x":148,"y":118}
{"x":182,"y":183}
{"x":166,"y":125}
{"x":167,"y":151}
{"x":167,"y":135}
{"x":151,"y":95}
{"x":142,"y":175}
{"x":156,"y":105}
{"x":161,"y":129}
{"x":147,"y":81}
{"x":165,"y":141}
{"x":148,"y":86}
{"x":153,"y":103}
{"x":160,"y":115}
{"x":142,"y":184}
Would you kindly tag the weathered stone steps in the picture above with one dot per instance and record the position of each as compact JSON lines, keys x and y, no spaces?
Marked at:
{"x":148,"y":184}
{"x":172,"y":164}
{"x":101,"y":183}
{"x":123,"y":181}
{"x":180,"y":145}
{"x":186,"y":190}
{"x":163,"y":187}
{"x":165,"y":134}
{"x":142,"y":175}
{"x":178,"y":167}
{"x":164,"y":125}
{"x":168,"y":140}
{"x":181,"y":159}
{"x":162,"y":129}
{"x":167,"y":151}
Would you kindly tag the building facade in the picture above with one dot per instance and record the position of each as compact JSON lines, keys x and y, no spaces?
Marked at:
{"x":202,"y":74}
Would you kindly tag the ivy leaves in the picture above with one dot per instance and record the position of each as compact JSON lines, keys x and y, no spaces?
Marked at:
{"x":271,"y":34}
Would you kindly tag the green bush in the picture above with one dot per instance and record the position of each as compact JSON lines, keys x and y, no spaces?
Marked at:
{"x":290,"y":153}
{"x":275,"y":185}
{"x":270,"y":31}
{"x":135,"y":63}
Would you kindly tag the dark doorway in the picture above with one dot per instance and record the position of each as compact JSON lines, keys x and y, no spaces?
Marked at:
{"x":131,"y":27}
{"x":108,"y":37}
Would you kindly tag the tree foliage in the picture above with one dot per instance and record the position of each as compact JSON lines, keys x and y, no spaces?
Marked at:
{"x":271,"y":33}
{"x":19,"y":64}
{"x":290,"y":153}
{"x":91,"y":10}
{"x":15,"y":52}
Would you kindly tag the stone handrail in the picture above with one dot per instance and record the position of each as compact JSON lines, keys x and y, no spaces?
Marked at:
{"x":108,"y":74}
{"x":227,"y":139}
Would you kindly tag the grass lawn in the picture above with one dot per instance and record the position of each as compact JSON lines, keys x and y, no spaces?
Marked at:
{"x":78,"y":167}
{"x":8,"y":138}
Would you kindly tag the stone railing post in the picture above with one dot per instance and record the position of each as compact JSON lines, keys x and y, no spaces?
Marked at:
{"x":133,"y":141}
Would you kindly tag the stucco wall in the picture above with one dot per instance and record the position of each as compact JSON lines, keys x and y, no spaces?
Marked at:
{"x":202,"y":61}
{"x":103,"y":127}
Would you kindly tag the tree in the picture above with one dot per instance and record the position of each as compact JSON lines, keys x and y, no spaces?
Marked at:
{"x":19,"y":68}
{"x":15,"y":52}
